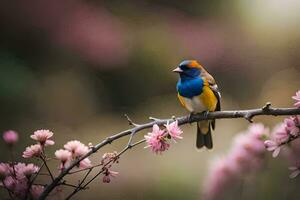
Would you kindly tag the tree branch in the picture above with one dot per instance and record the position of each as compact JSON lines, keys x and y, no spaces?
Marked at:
{"x":246,"y":114}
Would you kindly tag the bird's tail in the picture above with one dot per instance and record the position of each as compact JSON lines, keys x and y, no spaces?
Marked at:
{"x":204,"y":137}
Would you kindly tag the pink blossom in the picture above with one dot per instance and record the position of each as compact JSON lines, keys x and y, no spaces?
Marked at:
{"x":156,"y":140}
{"x":108,"y":175}
{"x":10,"y":183}
{"x":42,"y":136}
{"x":25,"y":171}
{"x":81,"y":150}
{"x":63,"y":155}
{"x":85,"y":163}
{"x":291,"y":126}
{"x":258,"y":130}
{"x":297,"y":98}
{"x":10,"y":137}
{"x":36,"y":191}
{"x":32,"y":151}
{"x":108,"y":156}
{"x":280,"y":134}
{"x":4,"y":170}
{"x":72,"y":145}
{"x":77,"y":148}
{"x":174,"y":130}
{"x":272,"y":146}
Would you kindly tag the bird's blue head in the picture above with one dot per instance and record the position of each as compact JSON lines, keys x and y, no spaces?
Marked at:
{"x":188,"y":69}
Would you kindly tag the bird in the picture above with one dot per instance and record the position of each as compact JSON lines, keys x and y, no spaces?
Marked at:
{"x":198,"y":92}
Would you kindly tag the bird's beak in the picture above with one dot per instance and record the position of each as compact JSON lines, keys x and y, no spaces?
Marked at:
{"x":177,"y":70}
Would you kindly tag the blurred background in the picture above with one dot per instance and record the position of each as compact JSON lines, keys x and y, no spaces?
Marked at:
{"x":76,"y":67}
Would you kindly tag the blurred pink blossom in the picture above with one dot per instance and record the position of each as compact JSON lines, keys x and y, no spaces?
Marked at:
{"x":222,"y":172}
{"x":198,"y":37}
{"x":36,"y":191}
{"x":10,"y":183}
{"x":156,"y":140}
{"x":42,"y":136}
{"x":245,"y":157}
{"x":295,"y":172}
{"x":21,"y":187}
{"x":108,"y":174}
{"x":10,"y":137}
{"x":4,"y":170}
{"x":259,"y":131}
{"x":89,"y":32}
{"x":297,"y":98}
{"x":32,"y":151}
{"x":174,"y":130}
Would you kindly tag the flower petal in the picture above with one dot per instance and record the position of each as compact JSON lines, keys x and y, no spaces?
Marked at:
{"x":294,"y":174}
{"x":276,"y":152}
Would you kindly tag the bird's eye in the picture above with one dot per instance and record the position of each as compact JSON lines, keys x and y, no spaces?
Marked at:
{"x":183,"y":67}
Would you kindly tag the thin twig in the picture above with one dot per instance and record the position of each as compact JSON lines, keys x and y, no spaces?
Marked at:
{"x":104,"y":167}
{"x":70,"y":185}
{"x":246,"y":114}
{"x":118,"y":155}
{"x":80,"y":170}
{"x":48,"y":169}
{"x":8,"y":190}
{"x":33,"y":179}
{"x":78,"y":188}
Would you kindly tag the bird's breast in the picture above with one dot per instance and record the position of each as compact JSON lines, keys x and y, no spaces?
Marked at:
{"x":190,"y":87}
{"x":194,"y":104}
{"x":206,"y":101}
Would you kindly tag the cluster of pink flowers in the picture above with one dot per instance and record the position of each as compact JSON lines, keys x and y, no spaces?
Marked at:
{"x":16,"y":179}
{"x":73,"y":150}
{"x":282,"y":134}
{"x":287,"y":132}
{"x":297,"y":99}
{"x":157,"y":140}
{"x":19,"y":178}
{"x":43,"y":139}
{"x":245,"y":157}
{"x":108,"y":174}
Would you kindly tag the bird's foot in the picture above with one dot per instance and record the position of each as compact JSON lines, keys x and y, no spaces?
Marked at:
{"x":190,"y":117}
{"x":205,"y":113}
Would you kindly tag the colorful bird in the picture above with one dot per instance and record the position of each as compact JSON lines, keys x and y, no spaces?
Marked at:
{"x":198,"y":92}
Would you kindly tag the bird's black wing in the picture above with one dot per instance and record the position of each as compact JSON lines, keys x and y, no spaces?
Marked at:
{"x":217,"y":93}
